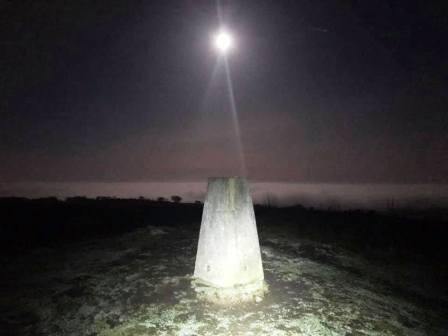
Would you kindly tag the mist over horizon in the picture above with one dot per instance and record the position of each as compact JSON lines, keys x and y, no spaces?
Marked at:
{"x":319,"y":195}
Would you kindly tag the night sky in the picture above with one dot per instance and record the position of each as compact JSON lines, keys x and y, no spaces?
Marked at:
{"x":325,"y":91}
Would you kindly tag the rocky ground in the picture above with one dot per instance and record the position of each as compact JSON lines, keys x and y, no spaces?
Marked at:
{"x":139,"y":283}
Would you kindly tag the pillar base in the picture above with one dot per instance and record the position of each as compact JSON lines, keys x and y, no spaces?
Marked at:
{"x":251,"y":292}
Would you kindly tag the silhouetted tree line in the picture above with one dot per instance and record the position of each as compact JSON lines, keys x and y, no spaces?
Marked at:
{"x":26,"y":223}
{"x":49,"y":221}
{"x":364,"y":231}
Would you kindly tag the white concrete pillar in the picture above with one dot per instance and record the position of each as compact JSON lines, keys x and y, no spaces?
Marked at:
{"x":228,"y":252}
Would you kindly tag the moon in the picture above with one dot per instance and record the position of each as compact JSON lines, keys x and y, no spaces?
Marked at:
{"x":223,"y":41}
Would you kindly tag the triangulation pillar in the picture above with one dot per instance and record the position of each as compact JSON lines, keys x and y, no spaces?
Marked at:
{"x":228,"y":261}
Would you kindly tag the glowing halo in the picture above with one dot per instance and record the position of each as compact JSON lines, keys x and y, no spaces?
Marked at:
{"x":223,"y":42}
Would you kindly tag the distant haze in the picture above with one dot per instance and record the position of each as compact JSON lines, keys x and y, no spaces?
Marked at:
{"x":370,"y":196}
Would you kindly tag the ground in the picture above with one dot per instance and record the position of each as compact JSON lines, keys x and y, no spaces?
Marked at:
{"x":139,"y":283}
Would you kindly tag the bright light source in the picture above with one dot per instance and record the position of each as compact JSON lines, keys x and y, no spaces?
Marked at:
{"x":223,"y":41}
